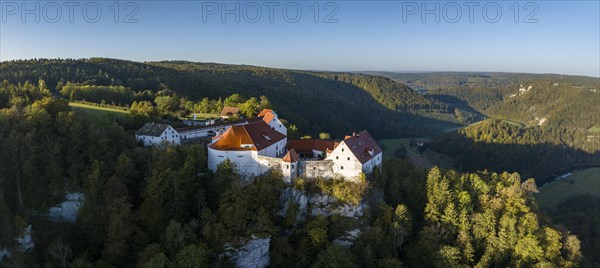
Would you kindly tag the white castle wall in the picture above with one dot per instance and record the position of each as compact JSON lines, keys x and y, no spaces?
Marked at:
{"x":345,"y":162}
{"x":318,"y":169}
{"x":245,"y":161}
{"x":278,"y":126}
{"x":374,"y":162}
{"x":275,"y":149}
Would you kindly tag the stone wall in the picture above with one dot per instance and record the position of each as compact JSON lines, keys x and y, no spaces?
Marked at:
{"x":308,"y":169}
{"x":318,"y":168}
{"x":266,"y":163}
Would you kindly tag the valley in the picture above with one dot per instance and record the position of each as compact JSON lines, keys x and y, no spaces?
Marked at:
{"x":450,"y":151}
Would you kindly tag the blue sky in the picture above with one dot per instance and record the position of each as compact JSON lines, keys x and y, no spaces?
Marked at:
{"x":547,"y":36}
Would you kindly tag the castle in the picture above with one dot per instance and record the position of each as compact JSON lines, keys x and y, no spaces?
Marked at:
{"x":259,"y":144}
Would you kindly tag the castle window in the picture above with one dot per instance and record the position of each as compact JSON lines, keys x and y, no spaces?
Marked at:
{"x":342,"y":150}
{"x":292,"y":166}
{"x":337,"y":157}
{"x":287,"y":166}
{"x":348,"y":158}
{"x":341,"y":167}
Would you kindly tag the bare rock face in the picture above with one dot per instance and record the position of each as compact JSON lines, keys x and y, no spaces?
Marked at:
{"x":253,"y":254}
{"x":26,"y":242}
{"x":68,"y":210}
{"x":324,"y":205}
{"x":327,"y":205}
{"x":290,"y":195}
{"x":348,"y":239}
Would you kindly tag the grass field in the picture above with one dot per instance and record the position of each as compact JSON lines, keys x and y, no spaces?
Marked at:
{"x":201,"y":116}
{"x":391,"y":145}
{"x":594,"y":129}
{"x":437,"y":159}
{"x":97,"y":113}
{"x":583,"y":182}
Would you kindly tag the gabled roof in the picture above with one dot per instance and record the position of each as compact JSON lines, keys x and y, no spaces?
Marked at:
{"x":267,"y":115}
{"x":363,"y":146}
{"x":306,"y":146}
{"x":233,"y":139}
{"x":258,"y":134}
{"x":229,"y":111}
{"x":264,"y":112}
{"x":291,"y":156}
{"x":152,"y":129}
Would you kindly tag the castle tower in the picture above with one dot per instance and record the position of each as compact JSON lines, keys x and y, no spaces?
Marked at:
{"x":289,"y":165}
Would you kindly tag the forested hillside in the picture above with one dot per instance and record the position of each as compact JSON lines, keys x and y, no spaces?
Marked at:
{"x":543,"y":123}
{"x":552,"y":104}
{"x":497,"y":145}
{"x":161,"y":206}
{"x":545,"y":126}
{"x":338,"y":103}
{"x":480,"y":90}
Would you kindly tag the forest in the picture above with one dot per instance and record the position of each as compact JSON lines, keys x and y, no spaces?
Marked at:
{"x":161,"y":207}
{"x":352,"y":102}
{"x":534,"y":152}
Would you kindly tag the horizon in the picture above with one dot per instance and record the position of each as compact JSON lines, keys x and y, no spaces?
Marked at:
{"x":309,"y":70}
{"x":543,"y":37}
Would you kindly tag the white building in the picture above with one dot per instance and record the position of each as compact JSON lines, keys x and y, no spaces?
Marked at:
{"x":262,"y":145}
{"x":243,"y":144}
{"x":290,"y":165}
{"x":271,"y":118}
{"x":259,"y":144}
{"x":154,"y":133}
{"x":356,"y":154}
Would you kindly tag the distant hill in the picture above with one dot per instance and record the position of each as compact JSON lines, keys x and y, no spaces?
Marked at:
{"x":567,"y":105}
{"x":499,"y":145}
{"x":551,"y":103}
{"x":479,"y":89}
{"x":541,"y":124}
{"x":338,"y":103}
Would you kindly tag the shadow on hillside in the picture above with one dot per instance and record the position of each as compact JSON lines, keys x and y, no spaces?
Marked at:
{"x":314,"y":104}
{"x":455,"y":102}
{"x":544,"y":162}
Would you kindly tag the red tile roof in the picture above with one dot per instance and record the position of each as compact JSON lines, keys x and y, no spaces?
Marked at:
{"x":233,"y":139}
{"x":229,"y":111}
{"x":264,"y":112}
{"x":258,"y":134}
{"x":306,"y":146}
{"x":363,"y":146}
{"x":268,"y":117}
{"x":291,"y":156}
